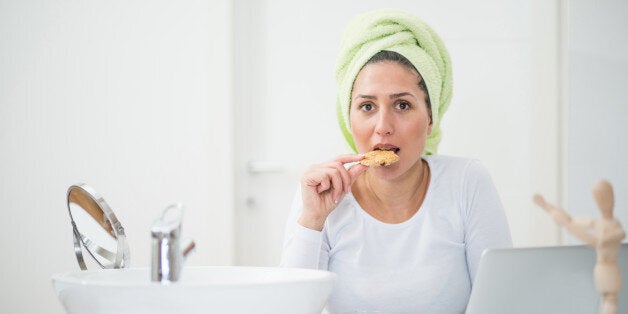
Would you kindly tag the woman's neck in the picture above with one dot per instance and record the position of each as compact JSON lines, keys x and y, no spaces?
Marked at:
{"x":395,"y":200}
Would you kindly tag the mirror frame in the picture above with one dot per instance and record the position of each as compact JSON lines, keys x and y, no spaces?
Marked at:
{"x":120,"y":258}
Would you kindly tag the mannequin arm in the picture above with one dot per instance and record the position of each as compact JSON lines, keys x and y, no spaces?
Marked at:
{"x":579,"y":227}
{"x":582,"y":234}
{"x":584,"y":222}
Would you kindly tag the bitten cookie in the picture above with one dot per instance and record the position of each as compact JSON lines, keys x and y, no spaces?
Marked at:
{"x":379,"y":158}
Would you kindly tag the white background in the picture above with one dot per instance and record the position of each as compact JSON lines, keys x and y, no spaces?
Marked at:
{"x":152,"y":102}
{"x":598,"y":104}
{"x":130,"y":97}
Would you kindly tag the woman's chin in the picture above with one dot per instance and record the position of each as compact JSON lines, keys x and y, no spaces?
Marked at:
{"x":396,"y":170}
{"x":386,"y":172}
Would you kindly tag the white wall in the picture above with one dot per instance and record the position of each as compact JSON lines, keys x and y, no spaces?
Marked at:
{"x":505,"y":108}
{"x":131,"y":97}
{"x":598,"y":103}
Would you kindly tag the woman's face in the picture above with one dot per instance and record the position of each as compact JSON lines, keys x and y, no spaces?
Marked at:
{"x":388,"y":111}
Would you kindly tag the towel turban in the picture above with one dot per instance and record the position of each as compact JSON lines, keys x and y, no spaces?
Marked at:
{"x":401,"y":32}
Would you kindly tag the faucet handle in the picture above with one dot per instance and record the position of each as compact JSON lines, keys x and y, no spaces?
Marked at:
{"x":170,"y":221}
{"x":188,"y":246}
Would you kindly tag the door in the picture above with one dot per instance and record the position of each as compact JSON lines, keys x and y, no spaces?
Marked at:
{"x":285,"y":116}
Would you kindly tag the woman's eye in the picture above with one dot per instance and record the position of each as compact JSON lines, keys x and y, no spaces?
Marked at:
{"x":366,"y":107}
{"x":403,"y":105}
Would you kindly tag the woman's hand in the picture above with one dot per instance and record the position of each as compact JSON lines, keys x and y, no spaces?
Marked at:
{"x":324,"y":185}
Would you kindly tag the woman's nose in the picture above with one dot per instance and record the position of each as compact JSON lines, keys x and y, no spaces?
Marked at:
{"x":384,"y":123}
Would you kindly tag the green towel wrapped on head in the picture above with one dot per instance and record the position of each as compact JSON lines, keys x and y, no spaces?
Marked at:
{"x":403,"y":33}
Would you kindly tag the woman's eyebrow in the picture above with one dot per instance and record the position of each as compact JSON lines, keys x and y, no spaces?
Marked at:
{"x":365,"y":96}
{"x":393,"y":96}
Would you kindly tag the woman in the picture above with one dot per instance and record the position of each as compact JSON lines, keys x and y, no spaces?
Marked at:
{"x":404,"y":238}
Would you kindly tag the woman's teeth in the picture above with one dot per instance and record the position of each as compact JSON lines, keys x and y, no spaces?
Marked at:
{"x":396,"y":150}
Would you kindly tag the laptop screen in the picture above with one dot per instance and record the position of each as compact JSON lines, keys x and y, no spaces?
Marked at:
{"x":541,"y":280}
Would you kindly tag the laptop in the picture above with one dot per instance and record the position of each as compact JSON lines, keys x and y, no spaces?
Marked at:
{"x":541,"y":280}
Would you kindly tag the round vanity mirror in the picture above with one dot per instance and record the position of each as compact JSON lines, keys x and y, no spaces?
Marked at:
{"x":96,"y":229}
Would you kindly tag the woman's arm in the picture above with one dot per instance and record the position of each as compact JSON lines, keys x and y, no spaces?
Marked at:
{"x":323,"y":186}
{"x":486,"y":226}
{"x":303,"y":247}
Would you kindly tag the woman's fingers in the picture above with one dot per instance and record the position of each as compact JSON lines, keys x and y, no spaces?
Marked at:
{"x":333,"y":176}
{"x":345,"y":159}
{"x":326,"y":179}
{"x":347,"y":177}
{"x":356,"y":171}
{"x":339,"y":163}
{"x":344,"y":174}
{"x":337,"y":185}
{"x":324,"y":183}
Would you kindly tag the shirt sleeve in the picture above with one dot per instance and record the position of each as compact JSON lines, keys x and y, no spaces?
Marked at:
{"x":303,"y":247}
{"x":486,"y":226}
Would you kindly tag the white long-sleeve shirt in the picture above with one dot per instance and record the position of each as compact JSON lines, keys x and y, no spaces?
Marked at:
{"x":426,"y":264}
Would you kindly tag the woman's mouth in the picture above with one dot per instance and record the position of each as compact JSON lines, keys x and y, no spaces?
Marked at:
{"x":388,"y":147}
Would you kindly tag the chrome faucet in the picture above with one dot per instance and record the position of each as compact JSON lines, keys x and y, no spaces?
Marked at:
{"x":167,"y":255}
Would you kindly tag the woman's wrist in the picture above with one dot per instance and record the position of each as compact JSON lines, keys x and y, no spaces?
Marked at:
{"x":312,"y":222}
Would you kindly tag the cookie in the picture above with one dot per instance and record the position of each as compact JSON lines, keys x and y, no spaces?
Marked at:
{"x":379,"y":158}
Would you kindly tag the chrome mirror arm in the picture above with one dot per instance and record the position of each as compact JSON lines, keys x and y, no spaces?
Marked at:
{"x":78,"y":250}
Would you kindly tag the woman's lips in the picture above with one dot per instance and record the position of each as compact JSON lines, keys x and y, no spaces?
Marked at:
{"x":387,"y":147}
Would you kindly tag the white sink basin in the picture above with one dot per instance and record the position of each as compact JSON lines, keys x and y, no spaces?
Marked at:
{"x":201,"y":290}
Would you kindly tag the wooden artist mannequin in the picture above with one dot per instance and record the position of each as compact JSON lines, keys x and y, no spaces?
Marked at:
{"x":604,"y":234}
